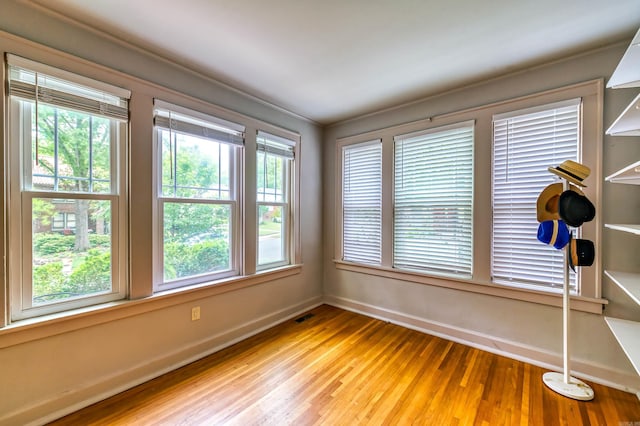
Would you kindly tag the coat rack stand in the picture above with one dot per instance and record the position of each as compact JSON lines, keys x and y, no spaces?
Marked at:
{"x":564,"y":384}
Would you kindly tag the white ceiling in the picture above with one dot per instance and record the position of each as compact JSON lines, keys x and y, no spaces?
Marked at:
{"x":329,"y":60}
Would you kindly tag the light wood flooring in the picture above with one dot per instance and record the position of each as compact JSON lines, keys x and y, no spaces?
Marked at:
{"x":341,"y":368}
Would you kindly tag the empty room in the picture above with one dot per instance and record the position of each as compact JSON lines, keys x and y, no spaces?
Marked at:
{"x":320,"y":213}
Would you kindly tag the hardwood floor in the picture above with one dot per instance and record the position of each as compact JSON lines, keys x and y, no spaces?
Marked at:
{"x":341,"y":368}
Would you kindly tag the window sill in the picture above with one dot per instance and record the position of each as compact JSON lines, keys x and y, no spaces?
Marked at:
{"x":551,"y":298}
{"x":45,"y":326}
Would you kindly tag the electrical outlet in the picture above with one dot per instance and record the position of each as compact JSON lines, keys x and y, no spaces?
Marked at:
{"x":195,"y":313}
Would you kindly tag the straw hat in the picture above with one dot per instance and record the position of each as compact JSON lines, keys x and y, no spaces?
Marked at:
{"x":571,"y":171}
{"x":547,"y":204}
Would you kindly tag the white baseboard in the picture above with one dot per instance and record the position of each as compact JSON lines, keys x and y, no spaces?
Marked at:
{"x":593,"y":372}
{"x":45,"y":411}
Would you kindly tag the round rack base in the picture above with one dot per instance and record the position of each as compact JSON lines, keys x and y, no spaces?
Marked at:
{"x":576,"y":388}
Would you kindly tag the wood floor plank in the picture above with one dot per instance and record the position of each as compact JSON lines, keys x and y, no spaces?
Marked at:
{"x":341,"y":368}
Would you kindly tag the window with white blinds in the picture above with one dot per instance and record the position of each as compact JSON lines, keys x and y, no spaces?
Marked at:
{"x":198,"y":196}
{"x":433,"y":200}
{"x":67,"y":137}
{"x":274,"y":163}
{"x":362,"y":202}
{"x":525,"y":144}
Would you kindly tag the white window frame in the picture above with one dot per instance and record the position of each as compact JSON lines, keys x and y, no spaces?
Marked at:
{"x":589,"y":297}
{"x":287,"y":152}
{"x":136,"y":228}
{"x":361,"y":229}
{"x":388,"y":138}
{"x":445,"y":264}
{"x":21,"y":194}
{"x":505,"y":269}
{"x":235,"y":133}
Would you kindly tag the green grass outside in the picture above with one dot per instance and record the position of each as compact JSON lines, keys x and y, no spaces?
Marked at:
{"x":269,"y":228}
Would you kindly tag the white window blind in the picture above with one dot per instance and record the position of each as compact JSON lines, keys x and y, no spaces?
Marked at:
{"x":275,"y":145}
{"x":525,"y":144}
{"x":274,"y":162}
{"x":193,"y":123}
{"x":43,"y":84}
{"x":433,"y":200}
{"x":362,"y":202}
{"x":67,"y":138}
{"x":198,"y":196}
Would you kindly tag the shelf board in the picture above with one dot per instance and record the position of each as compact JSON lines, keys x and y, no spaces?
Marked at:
{"x":627,"y":334}
{"x":634,"y":229}
{"x":629,"y":175}
{"x":628,"y":123}
{"x":627,"y":281}
{"x":627,"y":73}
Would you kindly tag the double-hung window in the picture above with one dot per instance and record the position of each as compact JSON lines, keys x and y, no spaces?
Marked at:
{"x":525,"y":144}
{"x":454,"y":205}
{"x":407,"y":201}
{"x":433,"y":200}
{"x":67,"y":146}
{"x":199,"y":158}
{"x":362,"y":202}
{"x":274,"y":165}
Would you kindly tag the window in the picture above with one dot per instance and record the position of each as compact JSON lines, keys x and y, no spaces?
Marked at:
{"x":68,"y":140}
{"x":458,"y":193}
{"x":406,"y":200}
{"x":362,"y":202}
{"x":433,"y":200}
{"x":274,"y":160}
{"x":198,"y":195}
{"x":525,"y":144}
{"x":64,"y":222}
{"x":198,"y":205}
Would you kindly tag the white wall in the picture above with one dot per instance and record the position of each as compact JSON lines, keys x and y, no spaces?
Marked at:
{"x":519,"y":329}
{"x":47,"y":370}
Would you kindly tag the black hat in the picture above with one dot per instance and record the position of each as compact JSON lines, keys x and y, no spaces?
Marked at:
{"x":547,"y":203}
{"x":581,"y":253}
{"x":575,"y":209}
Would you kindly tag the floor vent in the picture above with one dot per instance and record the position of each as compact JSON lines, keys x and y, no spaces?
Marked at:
{"x":304,"y":317}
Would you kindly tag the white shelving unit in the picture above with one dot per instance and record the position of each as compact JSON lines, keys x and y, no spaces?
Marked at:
{"x":629,"y":175}
{"x":627,"y":75}
{"x":631,"y":228}
{"x":627,"y":123}
{"x":628,"y":282}
{"x":627,"y":333}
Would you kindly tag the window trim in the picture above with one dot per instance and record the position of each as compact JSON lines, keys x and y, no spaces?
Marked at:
{"x":344,"y":151}
{"x":246,"y":255}
{"x":67,"y":321}
{"x":399,"y":140}
{"x":138,"y":236}
{"x":589,"y":300}
{"x":21,"y":309}
{"x":290,"y":195}
{"x":534,"y":249}
{"x":234,"y":201}
{"x":550,"y":298}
